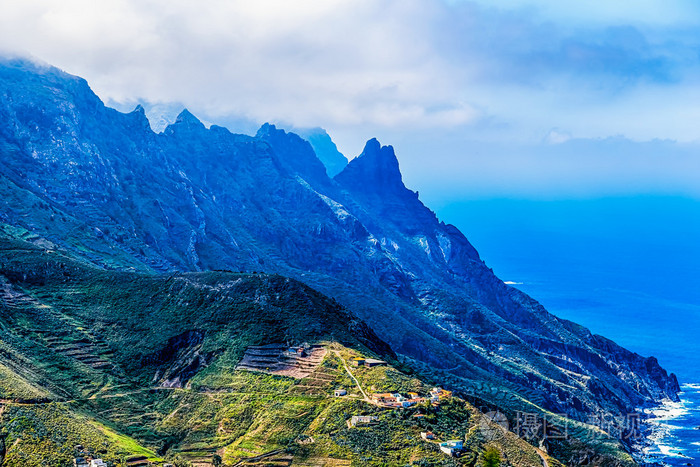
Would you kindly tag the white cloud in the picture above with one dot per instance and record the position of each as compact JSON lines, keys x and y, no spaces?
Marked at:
{"x":557,"y":136}
{"x":361,"y":64}
{"x":306,"y":63}
{"x":413,"y":72}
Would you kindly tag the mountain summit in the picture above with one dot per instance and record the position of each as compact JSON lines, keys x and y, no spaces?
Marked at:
{"x":185,"y":122}
{"x":376,"y":170}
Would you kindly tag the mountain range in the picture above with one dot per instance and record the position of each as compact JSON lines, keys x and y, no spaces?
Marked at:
{"x":101,"y":188}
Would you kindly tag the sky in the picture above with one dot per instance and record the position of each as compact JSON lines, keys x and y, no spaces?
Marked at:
{"x":516,"y":98}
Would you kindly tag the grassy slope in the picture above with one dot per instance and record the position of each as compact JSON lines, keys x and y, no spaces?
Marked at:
{"x":40,"y":435}
{"x":125,"y":318}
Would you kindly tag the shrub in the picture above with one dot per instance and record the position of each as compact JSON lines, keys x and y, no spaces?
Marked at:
{"x":492,"y":457}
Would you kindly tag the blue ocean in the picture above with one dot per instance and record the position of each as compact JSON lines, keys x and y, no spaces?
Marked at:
{"x":627,"y":268}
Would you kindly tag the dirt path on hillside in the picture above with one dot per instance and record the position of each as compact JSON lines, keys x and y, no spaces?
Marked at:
{"x":364,"y":394}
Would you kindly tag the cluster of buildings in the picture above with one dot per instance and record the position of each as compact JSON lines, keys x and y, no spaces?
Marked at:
{"x":397,"y":400}
{"x":453,"y":448}
{"x":438,"y":394}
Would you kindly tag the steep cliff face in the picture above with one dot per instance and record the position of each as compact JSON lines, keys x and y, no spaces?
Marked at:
{"x":104,"y":186}
{"x":295,"y":153}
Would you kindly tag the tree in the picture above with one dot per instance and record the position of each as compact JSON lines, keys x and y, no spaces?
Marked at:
{"x":492,"y":457}
{"x":216,"y":460}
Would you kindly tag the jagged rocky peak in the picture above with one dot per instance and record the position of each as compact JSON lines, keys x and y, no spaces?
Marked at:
{"x":268,"y":129}
{"x":185,"y":121}
{"x":375,"y":170}
{"x":138,"y":115}
{"x":186,"y":118}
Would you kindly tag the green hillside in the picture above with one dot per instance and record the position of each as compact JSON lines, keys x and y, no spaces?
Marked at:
{"x":126,"y":364}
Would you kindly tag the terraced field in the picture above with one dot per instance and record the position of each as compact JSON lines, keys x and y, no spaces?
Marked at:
{"x":318,"y":382}
{"x":277,"y":359}
{"x":84,"y":350}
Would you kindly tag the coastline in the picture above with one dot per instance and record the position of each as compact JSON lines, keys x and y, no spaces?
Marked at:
{"x":665,"y":440}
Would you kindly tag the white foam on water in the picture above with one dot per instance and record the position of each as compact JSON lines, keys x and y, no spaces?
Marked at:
{"x":670,"y":451}
{"x":664,"y":421}
{"x":668,"y":410}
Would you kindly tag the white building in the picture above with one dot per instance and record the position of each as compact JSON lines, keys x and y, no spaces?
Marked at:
{"x":362,"y":420}
{"x":451,"y":447}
